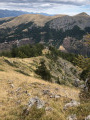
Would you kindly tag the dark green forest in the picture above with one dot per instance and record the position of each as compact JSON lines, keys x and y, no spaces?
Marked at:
{"x":34,"y":32}
{"x":25,"y":51}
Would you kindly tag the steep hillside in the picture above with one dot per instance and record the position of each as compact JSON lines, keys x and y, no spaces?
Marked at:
{"x":68,"y":22}
{"x":62,"y":72}
{"x":73,"y":45}
{"x":18,"y":83}
{"x":25,"y":96}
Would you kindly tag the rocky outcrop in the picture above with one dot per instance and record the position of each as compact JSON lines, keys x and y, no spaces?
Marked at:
{"x":73,"y":45}
{"x":68,"y":22}
{"x":72,"y":117}
{"x":35,"y":101}
{"x":87,"y":85}
{"x":39,"y":103}
{"x":73,"y":103}
{"x":88,"y":117}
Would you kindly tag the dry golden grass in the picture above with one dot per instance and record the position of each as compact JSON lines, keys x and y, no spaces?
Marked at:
{"x":6,"y":18}
{"x":39,"y":20}
{"x":11,"y":101}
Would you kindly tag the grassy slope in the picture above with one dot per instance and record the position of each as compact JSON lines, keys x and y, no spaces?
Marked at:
{"x":39,"y":20}
{"x":12,"y":102}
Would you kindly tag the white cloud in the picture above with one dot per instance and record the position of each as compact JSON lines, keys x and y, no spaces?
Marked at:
{"x":76,"y":2}
{"x":47,"y":6}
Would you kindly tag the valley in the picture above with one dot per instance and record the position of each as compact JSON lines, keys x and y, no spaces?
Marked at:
{"x":45,"y":67}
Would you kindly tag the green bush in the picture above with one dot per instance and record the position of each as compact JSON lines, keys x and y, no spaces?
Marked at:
{"x":85,"y":74}
{"x":43,"y":71}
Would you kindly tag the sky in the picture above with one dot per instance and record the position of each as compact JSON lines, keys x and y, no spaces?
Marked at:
{"x":70,"y":7}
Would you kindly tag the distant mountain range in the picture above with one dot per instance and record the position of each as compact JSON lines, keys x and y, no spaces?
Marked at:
{"x":14,"y":13}
{"x":69,"y":32}
{"x":9,"y":13}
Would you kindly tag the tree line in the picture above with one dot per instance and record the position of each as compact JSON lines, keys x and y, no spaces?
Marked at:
{"x":25,"y":51}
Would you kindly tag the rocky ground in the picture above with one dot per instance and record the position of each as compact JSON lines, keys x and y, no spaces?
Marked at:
{"x":27,"y":97}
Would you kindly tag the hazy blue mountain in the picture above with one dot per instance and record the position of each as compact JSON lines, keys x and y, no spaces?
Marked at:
{"x":9,"y":13}
{"x":14,"y":13}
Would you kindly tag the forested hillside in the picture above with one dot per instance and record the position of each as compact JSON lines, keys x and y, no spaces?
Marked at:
{"x":69,"y":31}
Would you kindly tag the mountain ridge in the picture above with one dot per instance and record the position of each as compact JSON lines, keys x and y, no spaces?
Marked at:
{"x":14,"y":13}
{"x":82,"y":14}
{"x":51,"y":30}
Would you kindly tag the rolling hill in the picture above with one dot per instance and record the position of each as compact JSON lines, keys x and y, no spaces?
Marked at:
{"x":49,"y":30}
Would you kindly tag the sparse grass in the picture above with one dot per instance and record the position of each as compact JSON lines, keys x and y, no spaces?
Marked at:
{"x":81,"y":111}
{"x":34,"y":114}
{"x":73,"y":70}
{"x":1,"y":70}
{"x":0,"y":63}
{"x":22,"y":72}
{"x":11,"y":109}
{"x":11,"y":63}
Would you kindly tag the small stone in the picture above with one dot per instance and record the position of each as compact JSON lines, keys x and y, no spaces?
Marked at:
{"x":72,"y":117}
{"x":19,"y":102}
{"x":25,"y":111}
{"x":39,"y":103}
{"x":56,"y":89}
{"x":46,"y":92}
{"x":10,"y":81}
{"x":82,"y":86}
{"x":52,"y":96}
{"x":18,"y":89}
{"x":87,"y":85}
{"x":88,"y":117}
{"x":77,"y":83}
{"x":28,"y":94}
{"x":48,"y":109}
{"x":25,"y":91}
{"x":11,"y":92}
{"x":11,"y":85}
{"x":73,"y":103}
{"x":57,"y":96}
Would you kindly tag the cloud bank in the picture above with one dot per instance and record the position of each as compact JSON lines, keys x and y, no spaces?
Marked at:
{"x":47,"y":6}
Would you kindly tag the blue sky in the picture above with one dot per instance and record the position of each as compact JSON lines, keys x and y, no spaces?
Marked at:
{"x":70,"y":7}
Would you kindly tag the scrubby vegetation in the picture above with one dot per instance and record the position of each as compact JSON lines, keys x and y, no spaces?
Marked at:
{"x":84,"y":63}
{"x":25,"y":51}
{"x":43,"y":71}
{"x":21,"y":86}
{"x":55,"y":53}
{"x":35,"y":33}
{"x":28,"y":51}
{"x":77,"y":60}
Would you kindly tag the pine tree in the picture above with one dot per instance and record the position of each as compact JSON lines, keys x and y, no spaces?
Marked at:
{"x":43,"y":71}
